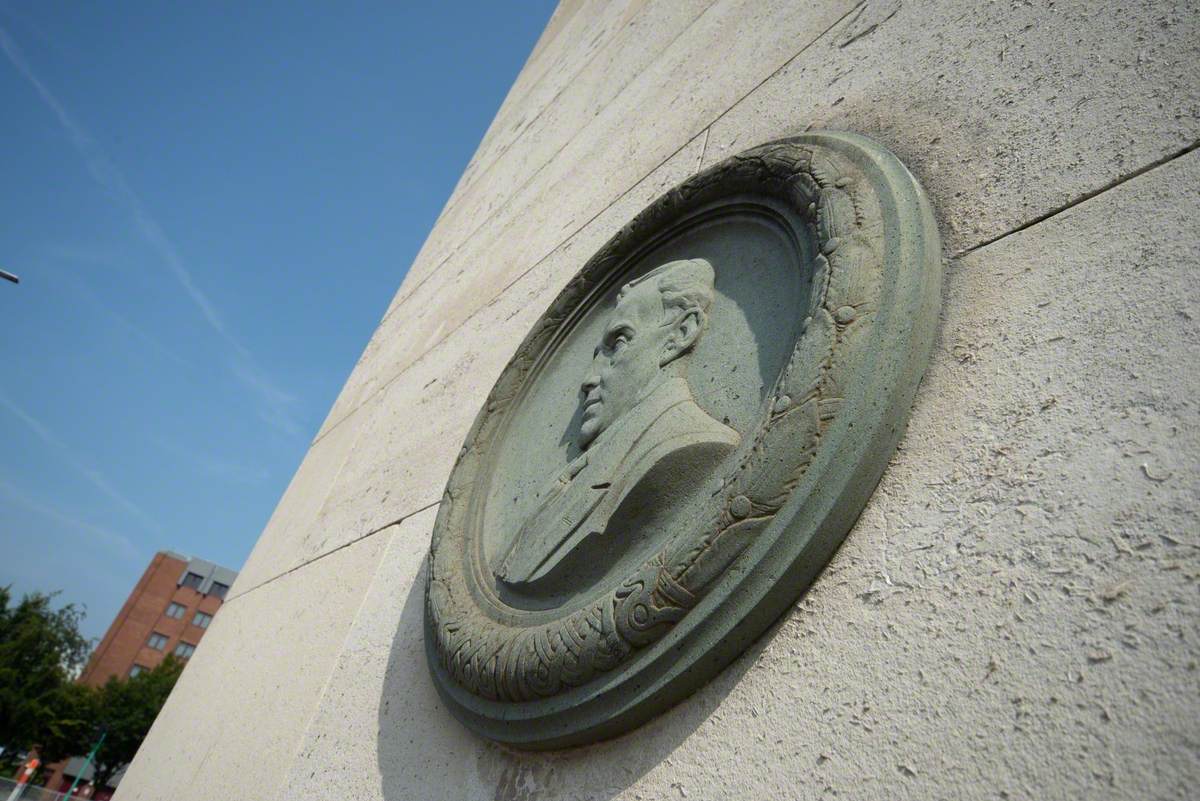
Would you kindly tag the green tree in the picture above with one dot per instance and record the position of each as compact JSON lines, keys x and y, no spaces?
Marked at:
{"x":70,"y":725}
{"x":41,"y":651}
{"x":125,"y":708}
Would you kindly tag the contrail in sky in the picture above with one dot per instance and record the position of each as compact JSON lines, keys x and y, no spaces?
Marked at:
{"x":94,"y":476}
{"x":116,"y":541}
{"x":278,"y":402}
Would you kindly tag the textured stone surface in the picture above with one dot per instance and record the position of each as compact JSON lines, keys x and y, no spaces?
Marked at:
{"x":402,"y":339}
{"x":675,"y":96}
{"x":647,"y":30}
{"x":1014,"y":614}
{"x":1056,"y":124}
{"x":232,"y":725}
{"x":573,"y":37}
{"x":423,"y":413}
{"x":578,"y":80}
{"x":381,"y":722}
{"x":531,"y":202}
{"x":425,"y":409}
{"x":1004,"y":110}
{"x":281,"y":545}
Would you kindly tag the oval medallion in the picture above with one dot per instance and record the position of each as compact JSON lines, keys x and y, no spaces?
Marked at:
{"x":682,"y":442}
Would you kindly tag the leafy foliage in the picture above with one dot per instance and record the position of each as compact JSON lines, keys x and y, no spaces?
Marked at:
{"x":41,"y":650}
{"x":125,"y":709}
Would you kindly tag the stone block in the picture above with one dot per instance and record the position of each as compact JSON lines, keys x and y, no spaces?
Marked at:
{"x":554,"y":64}
{"x":1013,"y":614}
{"x":1020,"y":585}
{"x":642,"y":33}
{"x":387,"y":446}
{"x":549,"y":194}
{"x":231,"y":727}
{"x":1004,"y":112}
{"x":380,"y":731}
{"x":548,"y":74}
{"x":417,"y":422}
{"x":280,"y":547}
{"x":405,"y":337}
{"x":557,"y":70}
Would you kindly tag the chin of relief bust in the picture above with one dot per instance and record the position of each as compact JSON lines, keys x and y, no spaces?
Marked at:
{"x":682,"y":442}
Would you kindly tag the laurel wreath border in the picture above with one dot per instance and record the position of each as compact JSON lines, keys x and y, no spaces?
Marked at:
{"x":513,"y":663}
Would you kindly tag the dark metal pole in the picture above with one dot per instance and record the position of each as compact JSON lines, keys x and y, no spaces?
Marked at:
{"x":6,"y":275}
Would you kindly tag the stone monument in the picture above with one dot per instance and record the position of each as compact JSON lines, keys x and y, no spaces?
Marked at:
{"x":1013,"y":612}
{"x":594,"y":561}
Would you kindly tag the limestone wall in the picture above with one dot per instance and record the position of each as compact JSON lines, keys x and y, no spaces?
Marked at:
{"x":1014,"y":615}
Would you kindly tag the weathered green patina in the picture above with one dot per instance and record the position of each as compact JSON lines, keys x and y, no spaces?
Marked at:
{"x":682,"y":442}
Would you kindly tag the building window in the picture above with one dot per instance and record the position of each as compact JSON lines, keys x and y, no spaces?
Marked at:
{"x":202,"y":620}
{"x":193,"y":580}
{"x":218,"y":589}
{"x":184,"y":650}
{"x":176,"y":611}
{"x":137,"y":670}
{"x":157,"y":641}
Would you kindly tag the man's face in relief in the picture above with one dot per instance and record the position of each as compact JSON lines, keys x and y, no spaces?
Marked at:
{"x":628,"y":361}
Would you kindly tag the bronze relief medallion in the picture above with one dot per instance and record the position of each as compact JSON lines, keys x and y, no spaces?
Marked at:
{"x":682,"y":442}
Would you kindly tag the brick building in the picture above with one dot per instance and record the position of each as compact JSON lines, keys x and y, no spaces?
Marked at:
{"x":167,"y":612}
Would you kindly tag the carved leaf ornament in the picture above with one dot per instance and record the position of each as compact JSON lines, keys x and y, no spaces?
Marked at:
{"x":782,"y":502}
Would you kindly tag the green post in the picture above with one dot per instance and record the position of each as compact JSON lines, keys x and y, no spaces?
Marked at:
{"x":91,"y":755}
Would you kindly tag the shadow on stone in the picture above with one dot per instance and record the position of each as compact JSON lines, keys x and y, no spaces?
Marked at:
{"x":423,"y":752}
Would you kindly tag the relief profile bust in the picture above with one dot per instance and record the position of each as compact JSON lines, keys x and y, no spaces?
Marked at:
{"x":642,"y":434}
{"x":593,"y":564}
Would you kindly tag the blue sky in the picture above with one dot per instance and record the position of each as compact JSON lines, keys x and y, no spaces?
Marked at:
{"x":209,"y":206}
